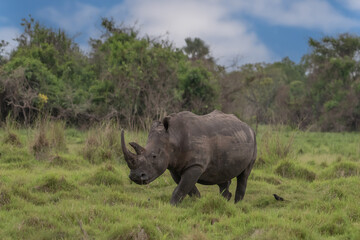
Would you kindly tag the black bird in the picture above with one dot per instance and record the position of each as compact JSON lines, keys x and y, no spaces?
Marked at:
{"x":278,"y":198}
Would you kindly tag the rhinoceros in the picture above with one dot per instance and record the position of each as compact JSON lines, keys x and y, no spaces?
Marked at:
{"x":209,"y":149}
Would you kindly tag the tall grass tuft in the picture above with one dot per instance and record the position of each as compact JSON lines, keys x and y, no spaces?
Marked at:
{"x":56,"y":134}
{"x":103,"y":143}
{"x":126,"y":232}
{"x":274,"y":147}
{"x":48,"y":136}
{"x":289,"y":169}
{"x":5,"y":197}
{"x":53,"y":184}
{"x":10,"y":136}
{"x":107,"y":176}
{"x":40,"y":145}
{"x":341,"y":169}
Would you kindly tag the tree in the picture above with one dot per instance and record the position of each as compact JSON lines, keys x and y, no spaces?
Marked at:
{"x":199,"y":89}
{"x":3,"y":45}
{"x":196,"y":48}
{"x":46,"y":62}
{"x":137,"y":80}
{"x":333,"y":82}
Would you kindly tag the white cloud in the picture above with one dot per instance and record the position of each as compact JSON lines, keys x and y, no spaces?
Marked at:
{"x":309,"y":14}
{"x":353,"y":5}
{"x":221,"y":24}
{"x":8,"y":34}
{"x":209,"y":20}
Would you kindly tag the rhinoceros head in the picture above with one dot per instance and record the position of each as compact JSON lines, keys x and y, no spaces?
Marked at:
{"x":150,"y":162}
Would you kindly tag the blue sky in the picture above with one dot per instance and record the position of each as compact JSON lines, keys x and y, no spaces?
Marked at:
{"x":242,"y":30}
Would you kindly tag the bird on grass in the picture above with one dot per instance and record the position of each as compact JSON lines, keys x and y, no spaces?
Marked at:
{"x":278,"y":198}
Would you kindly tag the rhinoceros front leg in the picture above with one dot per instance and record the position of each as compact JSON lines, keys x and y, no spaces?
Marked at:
{"x":194,"y":192}
{"x":186,"y":184}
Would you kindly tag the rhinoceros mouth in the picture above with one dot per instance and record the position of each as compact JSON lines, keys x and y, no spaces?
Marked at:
{"x":143,"y":181}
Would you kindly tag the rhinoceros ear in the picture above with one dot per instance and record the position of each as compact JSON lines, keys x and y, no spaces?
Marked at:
{"x":166,"y":122}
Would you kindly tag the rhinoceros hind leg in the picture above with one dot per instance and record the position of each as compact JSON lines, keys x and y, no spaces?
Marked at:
{"x":224,"y":189}
{"x":242,"y":182}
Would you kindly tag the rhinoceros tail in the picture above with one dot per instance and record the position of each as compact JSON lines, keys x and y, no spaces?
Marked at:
{"x":255,"y":148}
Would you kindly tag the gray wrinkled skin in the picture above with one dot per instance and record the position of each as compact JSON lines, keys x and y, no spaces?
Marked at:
{"x":209,"y":149}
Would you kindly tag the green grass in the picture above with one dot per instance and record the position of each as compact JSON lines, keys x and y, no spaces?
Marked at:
{"x":68,"y":194}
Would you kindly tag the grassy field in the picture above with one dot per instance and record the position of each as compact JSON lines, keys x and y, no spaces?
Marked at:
{"x":58,"y":183}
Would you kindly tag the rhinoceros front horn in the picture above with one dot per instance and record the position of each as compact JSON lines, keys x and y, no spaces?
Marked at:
{"x":130,"y":158}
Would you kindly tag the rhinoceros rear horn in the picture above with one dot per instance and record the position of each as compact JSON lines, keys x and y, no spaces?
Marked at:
{"x":138,"y":149}
{"x":130,"y":158}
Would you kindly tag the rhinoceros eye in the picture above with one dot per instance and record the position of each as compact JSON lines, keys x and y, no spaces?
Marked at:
{"x":153,"y":155}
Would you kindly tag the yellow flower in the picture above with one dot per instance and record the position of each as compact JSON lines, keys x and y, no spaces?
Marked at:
{"x":43,"y":98}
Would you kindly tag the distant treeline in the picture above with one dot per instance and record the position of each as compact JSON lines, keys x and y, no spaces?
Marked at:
{"x":136,"y":79}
